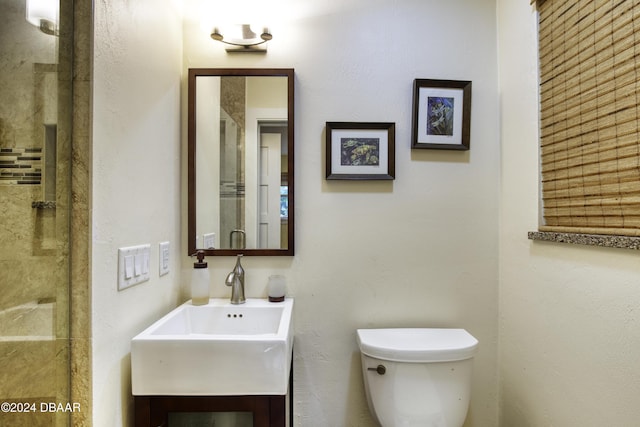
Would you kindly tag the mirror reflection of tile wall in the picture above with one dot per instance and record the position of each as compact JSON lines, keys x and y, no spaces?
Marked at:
{"x":232,"y":201}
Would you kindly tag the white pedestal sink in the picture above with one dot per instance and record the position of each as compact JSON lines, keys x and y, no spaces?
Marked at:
{"x":215,"y":349}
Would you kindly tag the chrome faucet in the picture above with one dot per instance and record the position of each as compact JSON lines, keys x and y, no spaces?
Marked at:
{"x":235,"y":279}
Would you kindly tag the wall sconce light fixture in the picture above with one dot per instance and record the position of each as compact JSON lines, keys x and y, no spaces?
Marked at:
{"x":241,"y":38}
{"x":43,"y":14}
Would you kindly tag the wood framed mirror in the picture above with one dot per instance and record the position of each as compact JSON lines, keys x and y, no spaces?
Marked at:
{"x":241,"y":161}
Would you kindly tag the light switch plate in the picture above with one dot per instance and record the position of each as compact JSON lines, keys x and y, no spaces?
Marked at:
{"x":133,"y":265}
{"x":164,"y":257}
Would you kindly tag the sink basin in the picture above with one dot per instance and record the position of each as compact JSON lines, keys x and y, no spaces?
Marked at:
{"x":215,"y":349}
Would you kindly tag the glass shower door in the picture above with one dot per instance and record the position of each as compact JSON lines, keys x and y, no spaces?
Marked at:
{"x":35,"y":124}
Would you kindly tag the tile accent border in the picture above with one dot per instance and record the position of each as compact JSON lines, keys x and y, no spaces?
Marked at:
{"x":623,"y":242}
{"x":20,"y":166}
{"x":43,"y":204}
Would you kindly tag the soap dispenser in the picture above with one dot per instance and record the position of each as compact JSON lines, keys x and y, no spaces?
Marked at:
{"x":200,"y":281}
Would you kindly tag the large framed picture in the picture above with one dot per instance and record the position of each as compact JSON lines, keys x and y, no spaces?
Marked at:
{"x":360,"y":151}
{"x":441,"y":114}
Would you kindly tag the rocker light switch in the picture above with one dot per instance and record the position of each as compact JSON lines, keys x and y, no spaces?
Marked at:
{"x":138,"y":260}
{"x":145,"y":262}
{"x":133,"y":265}
{"x":128,"y":267}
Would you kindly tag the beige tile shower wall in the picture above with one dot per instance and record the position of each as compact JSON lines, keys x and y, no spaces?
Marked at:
{"x":26,"y":261}
{"x":34,"y":368}
{"x":27,"y":254}
{"x":23,"y":49}
{"x":79,"y":346}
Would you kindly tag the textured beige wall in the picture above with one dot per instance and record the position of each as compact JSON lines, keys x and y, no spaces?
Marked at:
{"x":418,"y":251}
{"x":569,"y":324}
{"x":135,"y":183}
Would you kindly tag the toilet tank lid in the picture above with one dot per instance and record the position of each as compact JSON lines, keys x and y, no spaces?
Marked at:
{"x":417,"y":344}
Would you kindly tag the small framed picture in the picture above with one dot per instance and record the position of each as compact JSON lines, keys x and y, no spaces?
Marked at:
{"x":360,"y":151}
{"x":441,"y":114}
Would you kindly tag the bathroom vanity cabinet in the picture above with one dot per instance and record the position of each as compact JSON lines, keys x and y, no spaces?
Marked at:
{"x":267,"y":411}
{"x":234,"y":369}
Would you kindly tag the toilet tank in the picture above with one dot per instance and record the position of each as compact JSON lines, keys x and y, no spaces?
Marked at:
{"x":427,"y":375}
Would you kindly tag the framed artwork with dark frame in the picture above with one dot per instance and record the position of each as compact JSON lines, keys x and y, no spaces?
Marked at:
{"x":441,"y":114}
{"x":360,"y":151}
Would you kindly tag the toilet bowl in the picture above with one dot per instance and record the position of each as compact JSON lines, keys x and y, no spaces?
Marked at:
{"x":417,"y":377}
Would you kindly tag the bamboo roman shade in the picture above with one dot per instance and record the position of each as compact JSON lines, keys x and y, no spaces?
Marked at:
{"x":590,"y":129}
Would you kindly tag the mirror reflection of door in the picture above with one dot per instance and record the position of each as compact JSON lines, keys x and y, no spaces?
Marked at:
{"x":273,"y":161}
{"x":265,"y":110}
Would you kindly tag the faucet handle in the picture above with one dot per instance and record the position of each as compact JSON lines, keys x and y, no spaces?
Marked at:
{"x":230,"y":278}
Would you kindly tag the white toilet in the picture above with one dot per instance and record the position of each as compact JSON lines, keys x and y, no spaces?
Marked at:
{"x":417,"y":377}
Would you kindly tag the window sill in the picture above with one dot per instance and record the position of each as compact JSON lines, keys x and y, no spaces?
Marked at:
{"x":623,"y":242}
